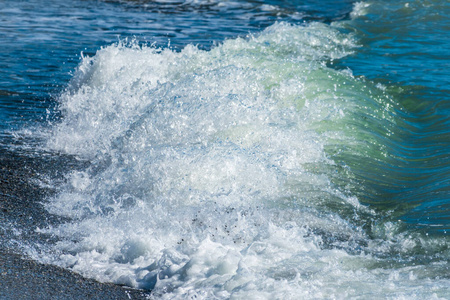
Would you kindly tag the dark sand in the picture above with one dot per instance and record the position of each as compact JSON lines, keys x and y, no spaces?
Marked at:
{"x":25,"y":279}
{"x":20,"y":213}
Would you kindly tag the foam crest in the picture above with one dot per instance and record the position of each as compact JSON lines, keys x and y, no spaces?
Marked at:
{"x":210,"y":175}
{"x":114,"y":87}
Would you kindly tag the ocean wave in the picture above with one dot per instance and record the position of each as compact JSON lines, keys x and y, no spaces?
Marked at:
{"x":249,"y":170}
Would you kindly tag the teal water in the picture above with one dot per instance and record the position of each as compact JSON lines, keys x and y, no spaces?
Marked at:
{"x":239,"y":149}
{"x":410,"y":42}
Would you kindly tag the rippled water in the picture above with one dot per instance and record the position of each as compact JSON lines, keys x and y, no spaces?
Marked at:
{"x":409,"y":41}
{"x":240,"y":149}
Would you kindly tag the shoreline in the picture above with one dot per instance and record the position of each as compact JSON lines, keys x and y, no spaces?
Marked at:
{"x":27,"y":279}
{"x":21,"y":212}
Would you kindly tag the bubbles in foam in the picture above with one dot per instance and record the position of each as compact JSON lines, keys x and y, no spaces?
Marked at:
{"x":209,"y":176}
{"x":359,"y":9}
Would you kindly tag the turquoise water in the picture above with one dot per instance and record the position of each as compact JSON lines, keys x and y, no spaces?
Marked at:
{"x":239,"y":149}
{"x":410,"y":42}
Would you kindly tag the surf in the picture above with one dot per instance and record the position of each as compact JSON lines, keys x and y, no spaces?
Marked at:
{"x":234,"y":172}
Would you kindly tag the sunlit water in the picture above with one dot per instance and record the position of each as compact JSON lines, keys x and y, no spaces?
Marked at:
{"x":271,"y":151}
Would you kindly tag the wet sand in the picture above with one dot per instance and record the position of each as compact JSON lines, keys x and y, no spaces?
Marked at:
{"x":21,"y":212}
{"x":26,"y":279}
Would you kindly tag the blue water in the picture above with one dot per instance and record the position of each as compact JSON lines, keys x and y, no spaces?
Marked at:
{"x":405,"y":46}
{"x":269,"y":149}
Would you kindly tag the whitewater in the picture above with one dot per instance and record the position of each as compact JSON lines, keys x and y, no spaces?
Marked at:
{"x":261,"y":168}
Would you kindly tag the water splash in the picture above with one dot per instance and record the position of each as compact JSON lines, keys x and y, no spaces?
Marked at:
{"x":213,"y":174}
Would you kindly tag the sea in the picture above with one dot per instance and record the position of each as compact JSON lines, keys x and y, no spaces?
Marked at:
{"x":234,"y":149}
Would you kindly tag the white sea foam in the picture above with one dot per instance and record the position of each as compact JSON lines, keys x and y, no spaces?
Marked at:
{"x":359,"y":9}
{"x":210,"y":177}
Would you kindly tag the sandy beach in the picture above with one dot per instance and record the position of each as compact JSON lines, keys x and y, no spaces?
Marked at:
{"x":25,"y":279}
